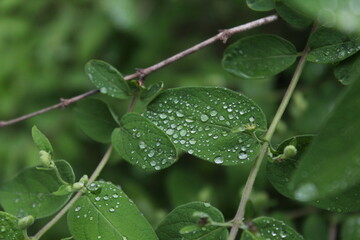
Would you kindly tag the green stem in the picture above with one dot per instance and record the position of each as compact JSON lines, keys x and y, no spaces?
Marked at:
{"x":59,"y":176}
{"x":62,"y":212}
{"x":238,"y":219}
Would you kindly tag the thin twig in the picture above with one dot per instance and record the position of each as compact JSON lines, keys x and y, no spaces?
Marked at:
{"x":62,"y":212}
{"x":238,"y":219}
{"x":332,"y":230}
{"x":223,"y":36}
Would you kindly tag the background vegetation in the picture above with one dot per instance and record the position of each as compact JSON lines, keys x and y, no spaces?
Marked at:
{"x":44,"y":46}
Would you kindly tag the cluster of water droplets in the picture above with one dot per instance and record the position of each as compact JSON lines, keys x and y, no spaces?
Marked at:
{"x":275,"y":230}
{"x":9,"y":227}
{"x":334,"y":54}
{"x":202,"y":125}
{"x":153,"y":148}
{"x":28,"y":204}
{"x":106,"y":200}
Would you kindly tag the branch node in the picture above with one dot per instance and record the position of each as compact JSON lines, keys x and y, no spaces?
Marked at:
{"x":64,"y":102}
{"x":225,"y":34}
{"x":142,"y":74}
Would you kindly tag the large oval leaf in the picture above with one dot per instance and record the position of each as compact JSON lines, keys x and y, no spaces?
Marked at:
{"x":107,"y":79}
{"x":182,"y":217}
{"x":205,"y":122}
{"x":105,"y":212}
{"x":331,"y":165}
{"x":9,"y":229}
{"x":292,"y":16}
{"x":95,"y":119}
{"x":30,"y":193}
{"x":142,"y":143}
{"x":259,"y":56}
{"x":270,"y":228}
{"x":261,"y":5}
{"x":330,"y":46}
{"x":280,"y":172}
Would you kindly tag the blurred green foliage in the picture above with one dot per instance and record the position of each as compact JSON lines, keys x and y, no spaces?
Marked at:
{"x":44,"y":45}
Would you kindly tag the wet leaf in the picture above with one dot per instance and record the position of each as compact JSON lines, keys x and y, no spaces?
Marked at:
{"x":331,"y":164}
{"x":142,"y":143}
{"x":30,"y":193}
{"x":105,"y":212}
{"x":209,"y":123}
{"x":281,"y":171}
{"x":107,"y":79}
{"x":330,"y":46}
{"x":95,"y":119}
{"x":181,"y":224}
{"x":259,"y":56}
{"x":269,"y":228}
{"x":261,"y":5}
{"x":9,"y":229}
{"x":347,"y":71}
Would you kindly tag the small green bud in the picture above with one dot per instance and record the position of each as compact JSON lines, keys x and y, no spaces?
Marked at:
{"x":78,"y":186}
{"x":45,"y":158}
{"x":26,"y":222}
{"x":289,"y":151}
{"x":84,"y":179}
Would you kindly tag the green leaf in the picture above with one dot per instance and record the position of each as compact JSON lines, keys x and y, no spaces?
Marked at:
{"x":151,"y":92}
{"x":350,"y":229}
{"x":259,"y":56}
{"x":348,"y":70}
{"x":206,"y":123}
{"x":9,"y":229}
{"x":292,"y":16}
{"x":182,"y":217}
{"x":261,"y":5}
{"x":107,"y":79}
{"x":341,"y":14}
{"x":105,"y":212}
{"x":281,"y":171}
{"x":41,"y":141}
{"x":315,"y":228}
{"x":331,"y":165}
{"x":30,"y":193}
{"x":95,"y":119}
{"x":142,"y":143}
{"x":269,"y":228}
{"x":329,"y":46}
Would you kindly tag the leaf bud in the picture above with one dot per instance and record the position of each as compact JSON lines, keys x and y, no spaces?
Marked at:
{"x":78,"y":186}
{"x":289,"y":151}
{"x":45,"y":158}
{"x":26,"y":222}
{"x":84,"y":179}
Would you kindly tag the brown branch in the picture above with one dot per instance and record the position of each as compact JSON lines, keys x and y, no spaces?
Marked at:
{"x":223,"y":36}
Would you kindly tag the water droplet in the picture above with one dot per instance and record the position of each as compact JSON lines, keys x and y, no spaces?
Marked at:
{"x":111,"y":210}
{"x":242,"y":155}
{"x":151,"y":153}
{"x":213,"y":113}
{"x":251,"y":119}
{"x":192,"y":141}
{"x":97,"y":198}
{"x":153,"y":163}
{"x":162,"y":116}
{"x":77,"y":208}
{"x":219,"y":160}
{"x":204,"y":117}
{"x":115,"y":196}
{"x":142,"y":145}
{"x":103,"y":90}
{"x":106,"y":197}
{"x":179,"y":114}
{"x":170,"y":131}
{"x":157,"y":168}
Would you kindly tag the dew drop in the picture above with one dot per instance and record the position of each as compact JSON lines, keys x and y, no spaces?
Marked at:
{"x":204,"y":117}
{"x":142,"y":145}
{"x":179,"y":114}
{"x":213,"y":113}
{"x":170,"y":132}
{"x":111,"y":210}
{"x":242,"y":155}
{"x":219,"y":160}
{"x":77,"y":209}
{"x":103,"y":90}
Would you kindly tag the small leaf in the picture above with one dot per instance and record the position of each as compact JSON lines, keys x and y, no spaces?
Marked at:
{"x":142,"y":143}
{"x":331,"y":165}
{"x":269,"y":228}
{"x":292,"y":16}
{"x":41,"y":141}
{"x":350,"y":229}
{"x":205,"y":122}
{"x":259,"y":56}
{"x":330,"y":46}
{"x":315,"y":228}
{"x":107,"y":79}
{"x":9,"y":228}
{"x":261,"y":5}
{"x":181,"y":224}
{"x":348,"y":70}
{"x":30,"y":193}
{"x":151,"y":92}
{"x":95,"y":119}
{"x":281,"y":171}
{"x":105,"y":212}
